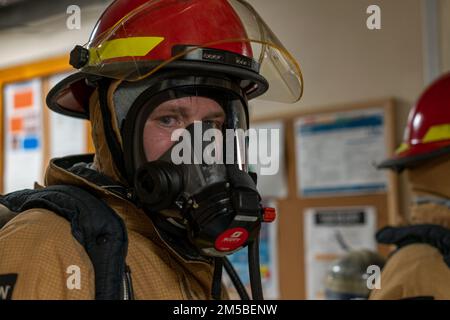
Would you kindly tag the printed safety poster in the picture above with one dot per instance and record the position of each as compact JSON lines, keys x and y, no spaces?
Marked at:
{"x":328,"y":234}
{"x":67,"y":135}
{"x":337,"y":152}
{"x":23,"y":135}
{"x":268,"y":261}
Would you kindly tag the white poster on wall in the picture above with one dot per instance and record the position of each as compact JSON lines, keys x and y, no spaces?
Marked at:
{"x":270,"y":166}
{"x":268,"y":262}
{"x":336,"y":153}
{"x":328,"y":234}
{"x":67,"y":135}
{"x":23,"y":135}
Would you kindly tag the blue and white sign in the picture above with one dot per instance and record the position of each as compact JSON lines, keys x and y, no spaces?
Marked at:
{"x":337,"y":152}
{"x":23,"y":132}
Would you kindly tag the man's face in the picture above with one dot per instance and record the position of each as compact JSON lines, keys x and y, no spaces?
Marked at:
{"x":177,"y":114}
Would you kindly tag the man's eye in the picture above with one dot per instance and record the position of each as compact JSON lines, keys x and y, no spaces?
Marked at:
{"x":168,"y":121}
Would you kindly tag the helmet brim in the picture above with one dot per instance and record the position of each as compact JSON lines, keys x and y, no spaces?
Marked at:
{"x":410,"y":159}
{"x":71,"y":95}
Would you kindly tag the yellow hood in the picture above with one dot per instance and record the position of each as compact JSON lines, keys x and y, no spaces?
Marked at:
{"x":103,"y":161}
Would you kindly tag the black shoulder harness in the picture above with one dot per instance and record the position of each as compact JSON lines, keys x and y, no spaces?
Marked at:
{"x":434,"y":235}
{"x":95,"y":226}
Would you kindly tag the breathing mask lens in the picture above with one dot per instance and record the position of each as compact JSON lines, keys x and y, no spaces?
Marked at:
{"x":220,"y":125}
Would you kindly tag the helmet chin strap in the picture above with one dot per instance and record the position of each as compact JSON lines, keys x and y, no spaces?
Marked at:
{"x":178,"y":224}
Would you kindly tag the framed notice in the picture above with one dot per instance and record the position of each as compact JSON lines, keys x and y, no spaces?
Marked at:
{"x":23,"y":135}
{"x":337,"y":152}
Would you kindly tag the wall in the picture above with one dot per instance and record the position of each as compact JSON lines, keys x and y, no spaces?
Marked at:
{"x":343,"y":61}
{"x":44,"y":39}
{"x":444,"y":10}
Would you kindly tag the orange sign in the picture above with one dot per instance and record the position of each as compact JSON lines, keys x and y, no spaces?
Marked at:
{"x":23,"y":99}
{"x":16,"y":124}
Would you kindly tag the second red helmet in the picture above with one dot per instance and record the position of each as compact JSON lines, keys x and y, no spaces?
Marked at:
{"x":427,"y":134}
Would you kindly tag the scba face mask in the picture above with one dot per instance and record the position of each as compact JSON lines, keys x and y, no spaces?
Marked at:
{"x":188,"y":160}
{"x":218,"y":203}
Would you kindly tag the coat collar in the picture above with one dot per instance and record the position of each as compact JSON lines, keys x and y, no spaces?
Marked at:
{"x":78,"y":171}
{"x":429,"y":209}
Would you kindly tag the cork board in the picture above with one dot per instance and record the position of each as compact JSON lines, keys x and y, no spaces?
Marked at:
{"x":291,"y":251}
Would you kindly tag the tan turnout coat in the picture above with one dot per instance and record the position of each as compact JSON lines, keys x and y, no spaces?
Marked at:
{"x":38,"y":246}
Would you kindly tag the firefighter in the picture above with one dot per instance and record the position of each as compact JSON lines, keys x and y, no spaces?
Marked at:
{"x":420,"y":267}
{"x":149,"y":69}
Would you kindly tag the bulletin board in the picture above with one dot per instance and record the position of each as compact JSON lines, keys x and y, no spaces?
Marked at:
{"x":21,"y":87}
{"x":284,"y":273}
{"x":375,"y":199}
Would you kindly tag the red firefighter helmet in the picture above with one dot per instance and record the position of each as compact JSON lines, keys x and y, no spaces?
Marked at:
{"x":135,"y":38}
{"x":427,"y":134}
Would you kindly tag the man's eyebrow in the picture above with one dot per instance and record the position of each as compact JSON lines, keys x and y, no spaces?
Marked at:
{"x":185,"y":110}
{"x":173,"y":109}
{"x":215,"y":114}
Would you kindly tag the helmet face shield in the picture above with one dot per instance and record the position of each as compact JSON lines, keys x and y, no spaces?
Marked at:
{"x":177,"y":33}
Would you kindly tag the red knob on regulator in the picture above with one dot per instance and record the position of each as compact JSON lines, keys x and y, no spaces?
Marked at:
{"x":269,"y":214}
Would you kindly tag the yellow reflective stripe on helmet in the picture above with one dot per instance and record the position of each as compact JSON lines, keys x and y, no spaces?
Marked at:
{"x":437,"y":133}
{"x":402,"y":148}
{"x":125,"y":47}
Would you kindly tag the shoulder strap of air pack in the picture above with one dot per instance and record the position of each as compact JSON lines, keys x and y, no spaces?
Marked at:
{"x":434,"y":235}
{"x":94,"y":224}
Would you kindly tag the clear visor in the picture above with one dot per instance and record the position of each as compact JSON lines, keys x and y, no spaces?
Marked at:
{"x":159,"y":33}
